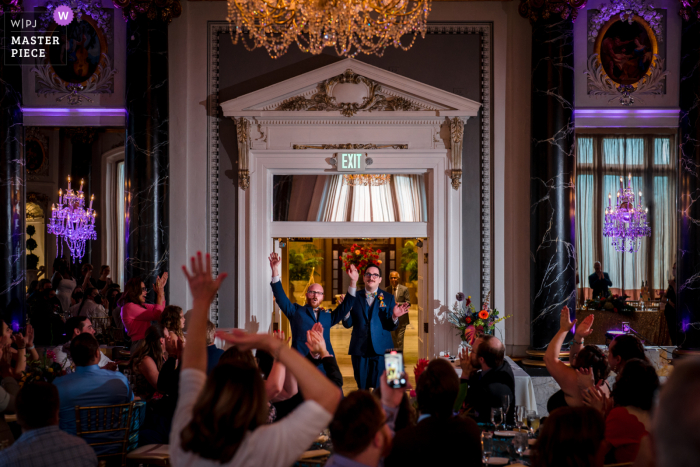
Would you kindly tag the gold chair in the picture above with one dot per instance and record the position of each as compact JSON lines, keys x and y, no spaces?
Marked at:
{"x":102,"y":420}
{"x":151,"y":454}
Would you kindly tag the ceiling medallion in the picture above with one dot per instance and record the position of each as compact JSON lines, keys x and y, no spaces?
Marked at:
{"x":349,"y":26}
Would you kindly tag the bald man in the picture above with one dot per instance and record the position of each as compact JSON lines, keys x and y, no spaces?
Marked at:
{"x":303,"y":317}
{"x":599,"y":281}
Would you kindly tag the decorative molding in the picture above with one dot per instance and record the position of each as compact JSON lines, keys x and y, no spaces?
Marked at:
{"x":243,"y":135}
{"x":535,"y":10}
{"x":456,"y":140}
{"x":323,"y":100}
{"x":351,"y":146}
{"x":33,"y":132}
{"x":165,"y":10}
{"x":626,"y":9}
{"x":101,"y":82}
{"x":600,"y":84}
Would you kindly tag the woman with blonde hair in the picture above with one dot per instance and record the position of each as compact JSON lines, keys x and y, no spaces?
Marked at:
{"x":173,"y":320}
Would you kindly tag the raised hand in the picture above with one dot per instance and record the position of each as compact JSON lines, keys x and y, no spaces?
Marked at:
{"x":354,"y":275}
{"x":401,"y":309}
{"x":584,"y":329}
{"x":465,"y":363}
{"x":340,"y":299}
{"x":161,"y":281}
{"x":30,"y":335}
{"x":20,"y":341}
{"x":275,"y":262}
{"x":594,"y":397}
{"x":202,"y":285}
{"x":391,"y":397}
{"x":245,"y":341}
{"x":565,"y":323}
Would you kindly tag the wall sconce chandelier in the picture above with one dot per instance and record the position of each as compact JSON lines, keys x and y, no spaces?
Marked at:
{"x":626,"y":223}
{"x":350,"y":26}
{"x":366,"y":179}
{"x":71,"y":221}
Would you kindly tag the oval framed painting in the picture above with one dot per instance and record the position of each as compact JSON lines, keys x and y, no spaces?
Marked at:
{"x":626,"y":50}
{"x":35,"y":155}
{"x":83,"y":50}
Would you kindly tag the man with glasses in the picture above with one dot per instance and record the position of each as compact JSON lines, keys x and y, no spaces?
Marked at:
{"x":374,"y":315}
{"x":303,"y":317}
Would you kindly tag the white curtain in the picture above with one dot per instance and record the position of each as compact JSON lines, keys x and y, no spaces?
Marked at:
{"x":334,"y":204}
{"x":410,"y":198}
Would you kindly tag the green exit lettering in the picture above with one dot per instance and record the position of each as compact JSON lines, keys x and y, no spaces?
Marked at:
{"x":350,"y":162}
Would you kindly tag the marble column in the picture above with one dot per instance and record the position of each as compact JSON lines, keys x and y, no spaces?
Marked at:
{"x":688,"y":258}
{"x":147,"y":150}
{"x":12,"y":197}
{"x":552,"y":191}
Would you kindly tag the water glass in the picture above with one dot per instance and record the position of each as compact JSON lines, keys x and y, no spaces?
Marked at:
{"x":486,"y":446}
{"x":533,"y":421}
{"x":521,"y":443}
{"x":520,"y":412}
{"x":505,"y":403}
{"x":496,"y":416}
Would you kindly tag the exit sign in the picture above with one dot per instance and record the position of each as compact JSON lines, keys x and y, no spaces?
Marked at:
{"x":351,"y":162}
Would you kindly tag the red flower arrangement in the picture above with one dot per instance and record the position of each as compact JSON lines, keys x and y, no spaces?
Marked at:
{"x":360,"y":256}
{"x":483,"y":314}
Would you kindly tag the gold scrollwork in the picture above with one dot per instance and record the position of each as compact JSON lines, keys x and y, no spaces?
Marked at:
{"x":350,"y":146}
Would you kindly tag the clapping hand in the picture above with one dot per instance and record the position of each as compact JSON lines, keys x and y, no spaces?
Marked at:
{"x":159,"y":286}
{"x":596,"y":398}
{"x":275,"y":262}
{"x":20,"y":341}
{"x":584,"y":329}
{"x":354,"y":275}
{"x":315,"y":341}
{"x":245,"y":341}
{"x":565,"y":323}
{"x":30,"y":335}
{"x":465,"y":363}
{"x":202,"y":285}
{"x":401,"y":309}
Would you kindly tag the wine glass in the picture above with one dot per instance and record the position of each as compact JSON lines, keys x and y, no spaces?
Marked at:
{"x":533,"y":421}
{"x":520,"y":412}
{"x":486,"y":446}
{"x":496,"y":417}
{"x":521,"y":443}
{"x":505,"y":403}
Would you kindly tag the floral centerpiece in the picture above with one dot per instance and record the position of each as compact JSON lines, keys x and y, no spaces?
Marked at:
{"x":614,"y":303}
{"x":360,"y":256}
{"x":420,"y":367}
{"x":44,"y":369}
{"x":472,"y":323}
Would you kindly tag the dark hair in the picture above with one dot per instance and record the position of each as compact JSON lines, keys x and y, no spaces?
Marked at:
{"x":132,"y":292}
{"x":78,"y":296}
{"x":232,"y":403}
{"x":103,"y":267}
{"x":170,"y":319}
{"x":211,"y":332}
{"x":592,"y":357}
{"x":33,"y":286}
{"x":42,"y":283}
{"x":493,"y":357}
{"x":570,"y":437}
{"x":357,"y":419}
{"x":88,"y":292}
{"x":83,"y":349}
{"x":437,"y":388}
{"x":86,"y":266}
{"x":637,"y":385}
{"x":627,"y":347}
{"x":37,"y":405}
{"x":76,"y":322}
{"x":372,"y":265}
{"x":234,"y":355}
{"x":265,"y":361}
{"x":150,"y":346}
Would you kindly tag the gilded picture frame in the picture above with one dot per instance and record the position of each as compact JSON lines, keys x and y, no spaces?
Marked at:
{"x":626,"y":50}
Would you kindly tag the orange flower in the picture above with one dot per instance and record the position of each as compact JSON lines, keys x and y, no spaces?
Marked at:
{"x":483,"y":314}
{"x":379,"y":262}
{"x":357,"y":252}
{"x":469,"y":320}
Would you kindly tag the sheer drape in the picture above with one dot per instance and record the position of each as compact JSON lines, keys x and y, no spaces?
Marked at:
{"x":602,"y":160}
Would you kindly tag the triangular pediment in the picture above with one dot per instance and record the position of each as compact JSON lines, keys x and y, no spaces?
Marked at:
{"x":350,"y":88}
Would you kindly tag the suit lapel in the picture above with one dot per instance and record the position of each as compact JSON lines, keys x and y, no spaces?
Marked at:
{"x":311,"y":313}
{"x":362,"y":296}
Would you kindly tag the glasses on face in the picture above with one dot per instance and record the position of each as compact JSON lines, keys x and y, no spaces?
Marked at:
{"x":143,"y":289}
{"x":314,"y":292}
{"x":373,"y":276}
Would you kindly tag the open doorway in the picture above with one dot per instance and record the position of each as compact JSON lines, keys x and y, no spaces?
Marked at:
{"x":322,"y":261}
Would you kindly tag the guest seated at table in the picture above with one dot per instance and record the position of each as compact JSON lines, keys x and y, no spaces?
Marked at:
{"x":318,"y":354}
{"x":220,"y":420}
{"x":623,"y":348}
{"x":490,"y":379}
{"x":42,"y":443}
{"x":590,"y":357}
{"x":362,"y":428}
{"x":8,"y":391}
{"x":92,"y":306}
{"x":136,"y":314}
{"x":146,"y":362}
{"x":89,"y":386}
{"x":571,"y":436}
{"x":432,"y":440}
{"x":14,"y":361}
{"x":599,"y":281}
{"x":627,"y":413}
{"x":173,"y":321}
{"x":675,"y":434}
{"x":75,"y":299}
{"x":74,"y":327}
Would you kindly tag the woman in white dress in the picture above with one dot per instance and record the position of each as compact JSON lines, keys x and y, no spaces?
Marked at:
{"x":63,"y":282}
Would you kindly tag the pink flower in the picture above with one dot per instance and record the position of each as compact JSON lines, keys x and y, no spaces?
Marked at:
{"x":51,"y":355}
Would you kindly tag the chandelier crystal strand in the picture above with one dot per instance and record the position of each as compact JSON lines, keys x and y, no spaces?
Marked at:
{"x":366,"y":179}
{"x":625,"y":222}
{"x":72,"y":222}
{"x":349,"y":26}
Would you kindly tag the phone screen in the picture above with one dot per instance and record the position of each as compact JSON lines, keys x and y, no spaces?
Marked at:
{"x":393,"y":362}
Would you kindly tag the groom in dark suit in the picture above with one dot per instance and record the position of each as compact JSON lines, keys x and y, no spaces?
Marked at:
{"x":373,"y":316}
{"x":302,"y":318}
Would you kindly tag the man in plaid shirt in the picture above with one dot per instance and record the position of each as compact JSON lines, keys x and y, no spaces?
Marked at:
{"x":42,"y":443}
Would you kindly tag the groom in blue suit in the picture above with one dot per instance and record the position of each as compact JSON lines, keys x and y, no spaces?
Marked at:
{"x":373,"y":316}
{"x":303,"y":317}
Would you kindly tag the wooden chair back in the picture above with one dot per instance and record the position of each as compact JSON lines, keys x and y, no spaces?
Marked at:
{"x":102,"y":421}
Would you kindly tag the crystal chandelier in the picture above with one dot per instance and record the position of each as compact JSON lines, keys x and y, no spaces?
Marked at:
{"x":366,"y":179}
{"x":72,"y":221}
{"x":350,"y":26}
{"x":626,"y":223}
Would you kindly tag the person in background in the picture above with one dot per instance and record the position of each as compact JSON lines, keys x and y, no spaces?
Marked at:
{"x":213,"y":352}
{"x":627,"y":413}
{"x":33,"y":285}
{"x":63,"y":282}
{"x":90,"y":386}
{"x":220,"y":420}
{"x":318,"y":355}
{"x":670,"y":309}
{"x":42,"y":443}
{"x":76,"y":298}
{"x":426,"y":443}
{"x":173,"y":321}
{"x":8,"y":391}
{"x":136,"y":315}
{"x":589,"y":357}
{"x":146,"y":362}
{"x":14,"y":361}
{"x":103,"y":281}
{"x":490,"y":379}
{"x":74,"y":327}
{"x":93,"y":306}
{"x":86,"y":280}
{"x":599,"y":281}
{"x":401,"y":295}
{"x":571,"y":436}
{"x":622,"y":349}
